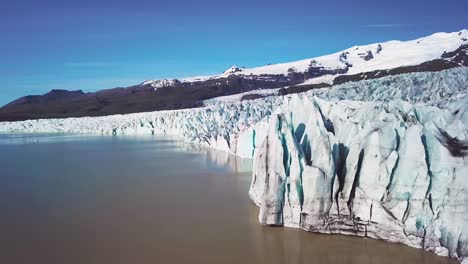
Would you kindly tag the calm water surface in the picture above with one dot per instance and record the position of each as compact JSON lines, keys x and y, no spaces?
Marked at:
{"x":74,"y":199}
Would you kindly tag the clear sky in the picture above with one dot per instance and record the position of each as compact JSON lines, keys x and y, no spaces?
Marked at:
{"x":98,"y":44}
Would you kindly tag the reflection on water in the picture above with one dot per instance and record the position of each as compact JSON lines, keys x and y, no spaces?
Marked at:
{"x":150,"y":200}
{"x":221,"y":159}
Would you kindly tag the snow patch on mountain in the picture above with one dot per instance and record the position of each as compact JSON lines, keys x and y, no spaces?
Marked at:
{"x":328,"y":78}
{"x":232,"y":70}
{"x":156,"y":84}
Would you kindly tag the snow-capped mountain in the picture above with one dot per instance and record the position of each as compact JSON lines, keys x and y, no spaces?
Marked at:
{"x":377,"y":56}
{"x":358,"y":59}
{"x":428,"y":54}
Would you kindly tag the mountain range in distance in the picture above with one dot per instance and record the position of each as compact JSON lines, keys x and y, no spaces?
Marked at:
{"x":432,"y":53}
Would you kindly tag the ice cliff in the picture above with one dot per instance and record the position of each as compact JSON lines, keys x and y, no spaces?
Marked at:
{"x":391,"y":171}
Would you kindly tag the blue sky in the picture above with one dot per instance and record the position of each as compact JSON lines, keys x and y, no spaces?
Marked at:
{"x":59,"y":44}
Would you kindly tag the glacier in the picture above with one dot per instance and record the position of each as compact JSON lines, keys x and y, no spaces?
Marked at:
{"x":370,"y":169}
{"x":382,"y":158}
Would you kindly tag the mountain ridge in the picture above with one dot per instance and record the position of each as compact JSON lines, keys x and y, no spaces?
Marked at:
{"x":436,"y":52}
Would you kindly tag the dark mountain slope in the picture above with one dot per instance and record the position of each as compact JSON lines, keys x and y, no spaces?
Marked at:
{"x":179,"y":95}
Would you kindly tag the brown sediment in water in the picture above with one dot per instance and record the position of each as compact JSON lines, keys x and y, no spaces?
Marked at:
{"x":149,"y":200}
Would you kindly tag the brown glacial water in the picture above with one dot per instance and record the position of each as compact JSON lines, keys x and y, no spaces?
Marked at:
{"x":132,"y":200}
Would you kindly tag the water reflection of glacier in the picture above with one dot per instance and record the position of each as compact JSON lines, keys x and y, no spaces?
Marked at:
{"x":220,"y":158}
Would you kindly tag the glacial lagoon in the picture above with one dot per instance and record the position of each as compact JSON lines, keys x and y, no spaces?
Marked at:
{"x":149,"y":199}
